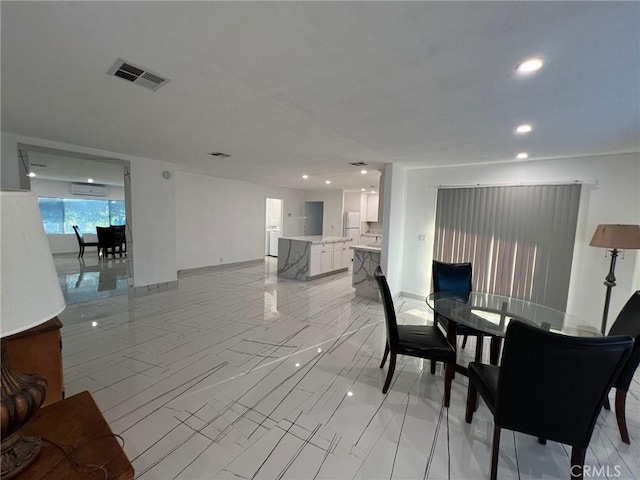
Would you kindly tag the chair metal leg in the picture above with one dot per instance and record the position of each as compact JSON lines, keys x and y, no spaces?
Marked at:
{"x":577,"y":462}
{"x":433,"y":366}
{"x":464,"y":341}
{"x":386,"y":352}
{"x":392,"y":367}
{"x":494,"y":453}
{"x":621,"y":400}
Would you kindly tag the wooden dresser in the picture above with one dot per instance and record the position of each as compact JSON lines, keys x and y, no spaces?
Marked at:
{"x":39,"y":350}
{"x":77,"y":425}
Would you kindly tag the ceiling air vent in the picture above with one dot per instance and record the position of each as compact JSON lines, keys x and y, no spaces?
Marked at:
{"x":358,"y":164}
{"x":220,"y":154}
{"x":137,"y":74}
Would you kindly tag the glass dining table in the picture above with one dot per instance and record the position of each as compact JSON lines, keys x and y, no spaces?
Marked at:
{"x":490,"y":314}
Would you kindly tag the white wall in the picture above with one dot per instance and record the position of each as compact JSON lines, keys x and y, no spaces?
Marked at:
{"x":332,"y":218}
{"x":153,"y":220}
{"x":610,"y":194}
{"x":219,"y":218}
{"x":394,"y":225}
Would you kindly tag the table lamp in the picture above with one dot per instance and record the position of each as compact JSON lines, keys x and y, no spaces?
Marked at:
{"x":614,"y":236}
{"x":29,"y":295}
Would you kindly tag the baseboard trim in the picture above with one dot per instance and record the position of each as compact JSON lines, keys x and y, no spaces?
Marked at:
{"x":153,"y":288}
{"x":415,"y":296}
{"x":210,"y":268}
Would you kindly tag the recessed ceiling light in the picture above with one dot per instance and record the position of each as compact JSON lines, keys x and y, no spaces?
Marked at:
{"x":364,"y":172}
{"x":525,"y":128}
{"x":327,"y":182}
{"x":373,"y":191}
{"x":31,"y":174}
{"x":530,"y":65}
{"x":522,"y":155}
{"x":90,"y":180}
{"x":363,"y":189}
{"x":305,"y":176}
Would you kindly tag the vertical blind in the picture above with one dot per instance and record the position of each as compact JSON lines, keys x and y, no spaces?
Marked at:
{"x":519,"y":239}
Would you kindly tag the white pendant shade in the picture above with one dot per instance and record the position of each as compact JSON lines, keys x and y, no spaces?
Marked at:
{"x":30,"y":293}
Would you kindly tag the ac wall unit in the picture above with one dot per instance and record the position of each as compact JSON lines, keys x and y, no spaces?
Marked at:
{"x":88,"y":189}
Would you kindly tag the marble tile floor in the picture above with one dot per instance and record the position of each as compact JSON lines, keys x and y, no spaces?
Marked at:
{"x":91,"y":277}
{"x":237,"y":374}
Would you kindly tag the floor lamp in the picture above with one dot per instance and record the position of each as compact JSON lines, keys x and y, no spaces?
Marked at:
{"x":30,"y":295}
{"x":614,"y":236}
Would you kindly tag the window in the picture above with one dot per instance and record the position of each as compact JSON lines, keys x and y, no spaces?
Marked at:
{"x":519,"y":239}
{"x":59,"y":215}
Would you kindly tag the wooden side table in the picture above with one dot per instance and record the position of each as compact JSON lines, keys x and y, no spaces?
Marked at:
{"x":75,"y":422}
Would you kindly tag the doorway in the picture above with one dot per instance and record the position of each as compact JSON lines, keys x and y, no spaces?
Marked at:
{"x":273,"y":226}
{"x":313,"y":212}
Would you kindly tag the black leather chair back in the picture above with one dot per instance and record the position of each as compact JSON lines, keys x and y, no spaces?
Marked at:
{"x":106,"y":237}
{"x":78,"y":236}
{"x":389,"y":311}
{"x":552,"y":385}
{"x":628,"y":323}
{"x":452,"y":277}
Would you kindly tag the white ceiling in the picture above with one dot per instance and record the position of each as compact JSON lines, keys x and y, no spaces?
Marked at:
{"x":289,"y":88}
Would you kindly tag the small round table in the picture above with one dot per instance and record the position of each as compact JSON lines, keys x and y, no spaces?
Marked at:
{"x":490,"y":314}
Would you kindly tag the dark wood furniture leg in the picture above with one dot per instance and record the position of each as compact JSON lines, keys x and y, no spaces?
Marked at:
{"x":494,"y":350}
{"x":621,"y":400}
{"x":577,"y":462}
{"x":392,"y":367}
{"x":495,"y":453}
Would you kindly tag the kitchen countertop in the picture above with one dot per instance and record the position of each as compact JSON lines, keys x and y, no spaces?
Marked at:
{"x":366,"y":248}
{"x":319,"y":239}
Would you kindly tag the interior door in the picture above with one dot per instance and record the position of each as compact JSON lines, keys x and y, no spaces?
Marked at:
{"x":313,"y":212}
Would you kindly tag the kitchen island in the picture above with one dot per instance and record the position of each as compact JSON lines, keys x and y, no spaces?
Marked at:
{"x":305,"y":258}
{"x":365,"y":260}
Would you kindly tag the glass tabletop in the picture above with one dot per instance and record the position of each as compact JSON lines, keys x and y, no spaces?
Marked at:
{"x":491,"y":314}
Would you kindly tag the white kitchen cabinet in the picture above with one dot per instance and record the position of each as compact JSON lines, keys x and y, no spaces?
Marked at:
{"x":372,"y":207}
{"x":346,"y":256}
{"x":315,"y":264}
{"x":327,"y":261}
{"x":341,"y":255}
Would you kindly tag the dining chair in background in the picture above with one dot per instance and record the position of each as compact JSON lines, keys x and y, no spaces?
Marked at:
{"x":106,"y":241}
{"x":456,"y":278}
{"x":422,"y":341}
{"x":82,"y":243}
{"x":549,"y":385}
{"x":627,"y":323}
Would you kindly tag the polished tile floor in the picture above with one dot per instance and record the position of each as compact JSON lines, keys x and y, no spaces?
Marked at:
{"x":91,"y":277}
{"x":238,"y":374}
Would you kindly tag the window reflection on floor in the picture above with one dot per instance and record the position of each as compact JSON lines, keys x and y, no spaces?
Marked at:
{"x":90,"y":278}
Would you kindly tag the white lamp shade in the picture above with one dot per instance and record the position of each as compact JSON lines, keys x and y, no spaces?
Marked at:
{"x":30,"y":293}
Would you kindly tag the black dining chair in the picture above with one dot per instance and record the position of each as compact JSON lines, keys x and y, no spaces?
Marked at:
{"x":422,"y":341}
{"x":627,"y":323}
{"x":456,"y":278}
{"x":549,"y":385}
{"x":121,"y":238}
{"x":106,"y":241}
{"x":82,"y":243}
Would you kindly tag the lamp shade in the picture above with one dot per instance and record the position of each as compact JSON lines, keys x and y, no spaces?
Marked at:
{"x":616,"y":236}
{"x":30,"y":293}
